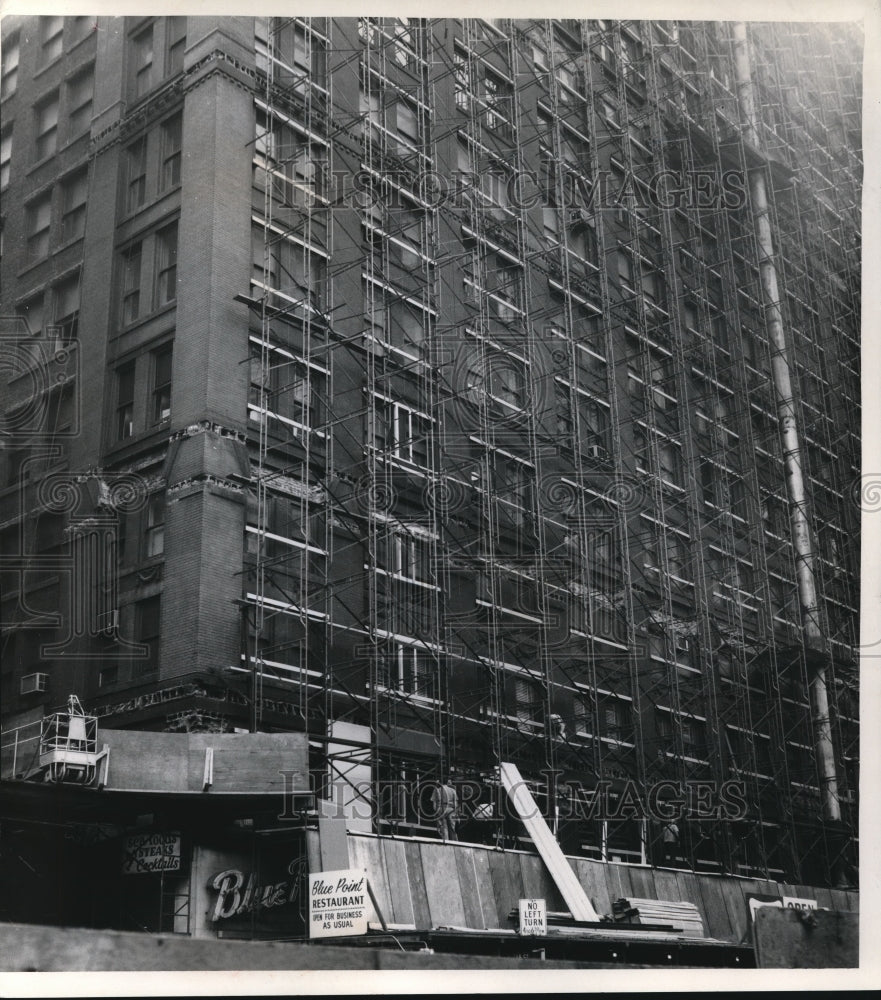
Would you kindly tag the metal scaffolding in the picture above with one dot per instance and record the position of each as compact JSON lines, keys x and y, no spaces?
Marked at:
{"x":520,"y":488}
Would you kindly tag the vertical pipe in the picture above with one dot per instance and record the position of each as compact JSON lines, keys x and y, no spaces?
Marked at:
{"x":800,"y":527}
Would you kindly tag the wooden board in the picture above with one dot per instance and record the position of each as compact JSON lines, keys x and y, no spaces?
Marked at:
{"x":445,"y":905}
{"x":618,"y":881}
{"x":642,"y":883}
{"x":839,"y":899}
{"x":823,"y":897}
{"x":734,"y":893}
{"x":667,"y":887}
{"x":470,"y":887}
{"x":592,"y":876}
{"x":416,"y":878}
{"x":507,"y":883}
{"x":484,"y":883}
{"x":561,"y":871}
{"x":366,"y":853}
{"x":398,"y":881}
{"x":538,"y":884}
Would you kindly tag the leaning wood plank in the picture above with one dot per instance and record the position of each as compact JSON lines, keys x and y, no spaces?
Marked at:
{"x":561,"y":872}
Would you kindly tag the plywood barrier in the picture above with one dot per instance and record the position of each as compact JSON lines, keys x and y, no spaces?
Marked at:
{"x":430,"y":884}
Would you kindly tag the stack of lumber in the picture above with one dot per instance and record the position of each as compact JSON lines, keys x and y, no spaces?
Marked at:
{"x":660,"y":911}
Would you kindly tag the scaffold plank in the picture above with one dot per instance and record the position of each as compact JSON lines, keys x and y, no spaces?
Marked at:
{"x":546,"y":844}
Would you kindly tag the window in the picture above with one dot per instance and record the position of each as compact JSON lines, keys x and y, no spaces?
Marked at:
{"x":527,"y":705}
{"x":497,"y":378}
{"x":693,"y":737}
{"x":582,"y":713}
{"x":166,"y":266}
{"x":5,"y":156}
{"x":400,"y":324}
{"x":162,"y":384}
{"x":176,"y":40}
{"x":404,"y":555}
{"x":625,"y":270}
{"x":504,"y":280}
{"x":296,"y":271}
{"x":370,"y":107}
{"x":513,"y":486}
{"x":32,"y":312}
{"x":125,"y":401}
{"x":411,"y":671}
{"x":142,"y":53}
{"x":462,"y":83}
{"x":551,"y":225}
{"x":154,"y":531}
{"x":46,"y":127}
{"x":283,"y":387}
{"x":131,"y":283}
{"x":539,"y":57}
{"x":604,"y":46}
{"x":80,"y":27}
{"x":407,"y":122}
{"x":497,"y":98}
{"x":631,"y":58}
{"x":654,"y":288}
{"x":401,"y":432}
{"x":670,"y":462}
{"x":405,"y":53}
{"x":9,"y":66}
{"x":136,"y":166}
{"x":615,"y":715}
{"x":67,"y":307}
{"x":51,"y":38}
{"x":147,"y":618}
{"x":171,"y":151}
{"x":297,"y":54}
{"x":74,"y":192}
{"x":108,"y":676}
{"x":39,"y":220}
{"x":80,"y":92}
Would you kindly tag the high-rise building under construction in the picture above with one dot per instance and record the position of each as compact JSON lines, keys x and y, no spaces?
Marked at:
{"x":454,"y":392}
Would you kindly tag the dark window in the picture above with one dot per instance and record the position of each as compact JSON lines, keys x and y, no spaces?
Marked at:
{"x":625,"y":270}
{"x":5,"y":156}
{"x":136,"y":163}
{"x":32,"y":311}
{"x":51,"y":38}
{"x":39,"y":221}
{"x":9,"y":66}
{"x":166,"y":265}
{"x":108,"y":675}
{"x":154,"y":532}
{"x":46,"y":127}
{"x":526,"y":700}
{"x":147,"y":617}
{"x":142,"y":52}
{"x":80,"y":93}
{"x":171,"y":151}
{"x":73,"y":206}
{"x":125,"y":401}
{"x":162,"y":384}
{"x":80,"y":27}
{"x":131,"y":283}
{"x":177,"y":43}
{"x":67,"y":307}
